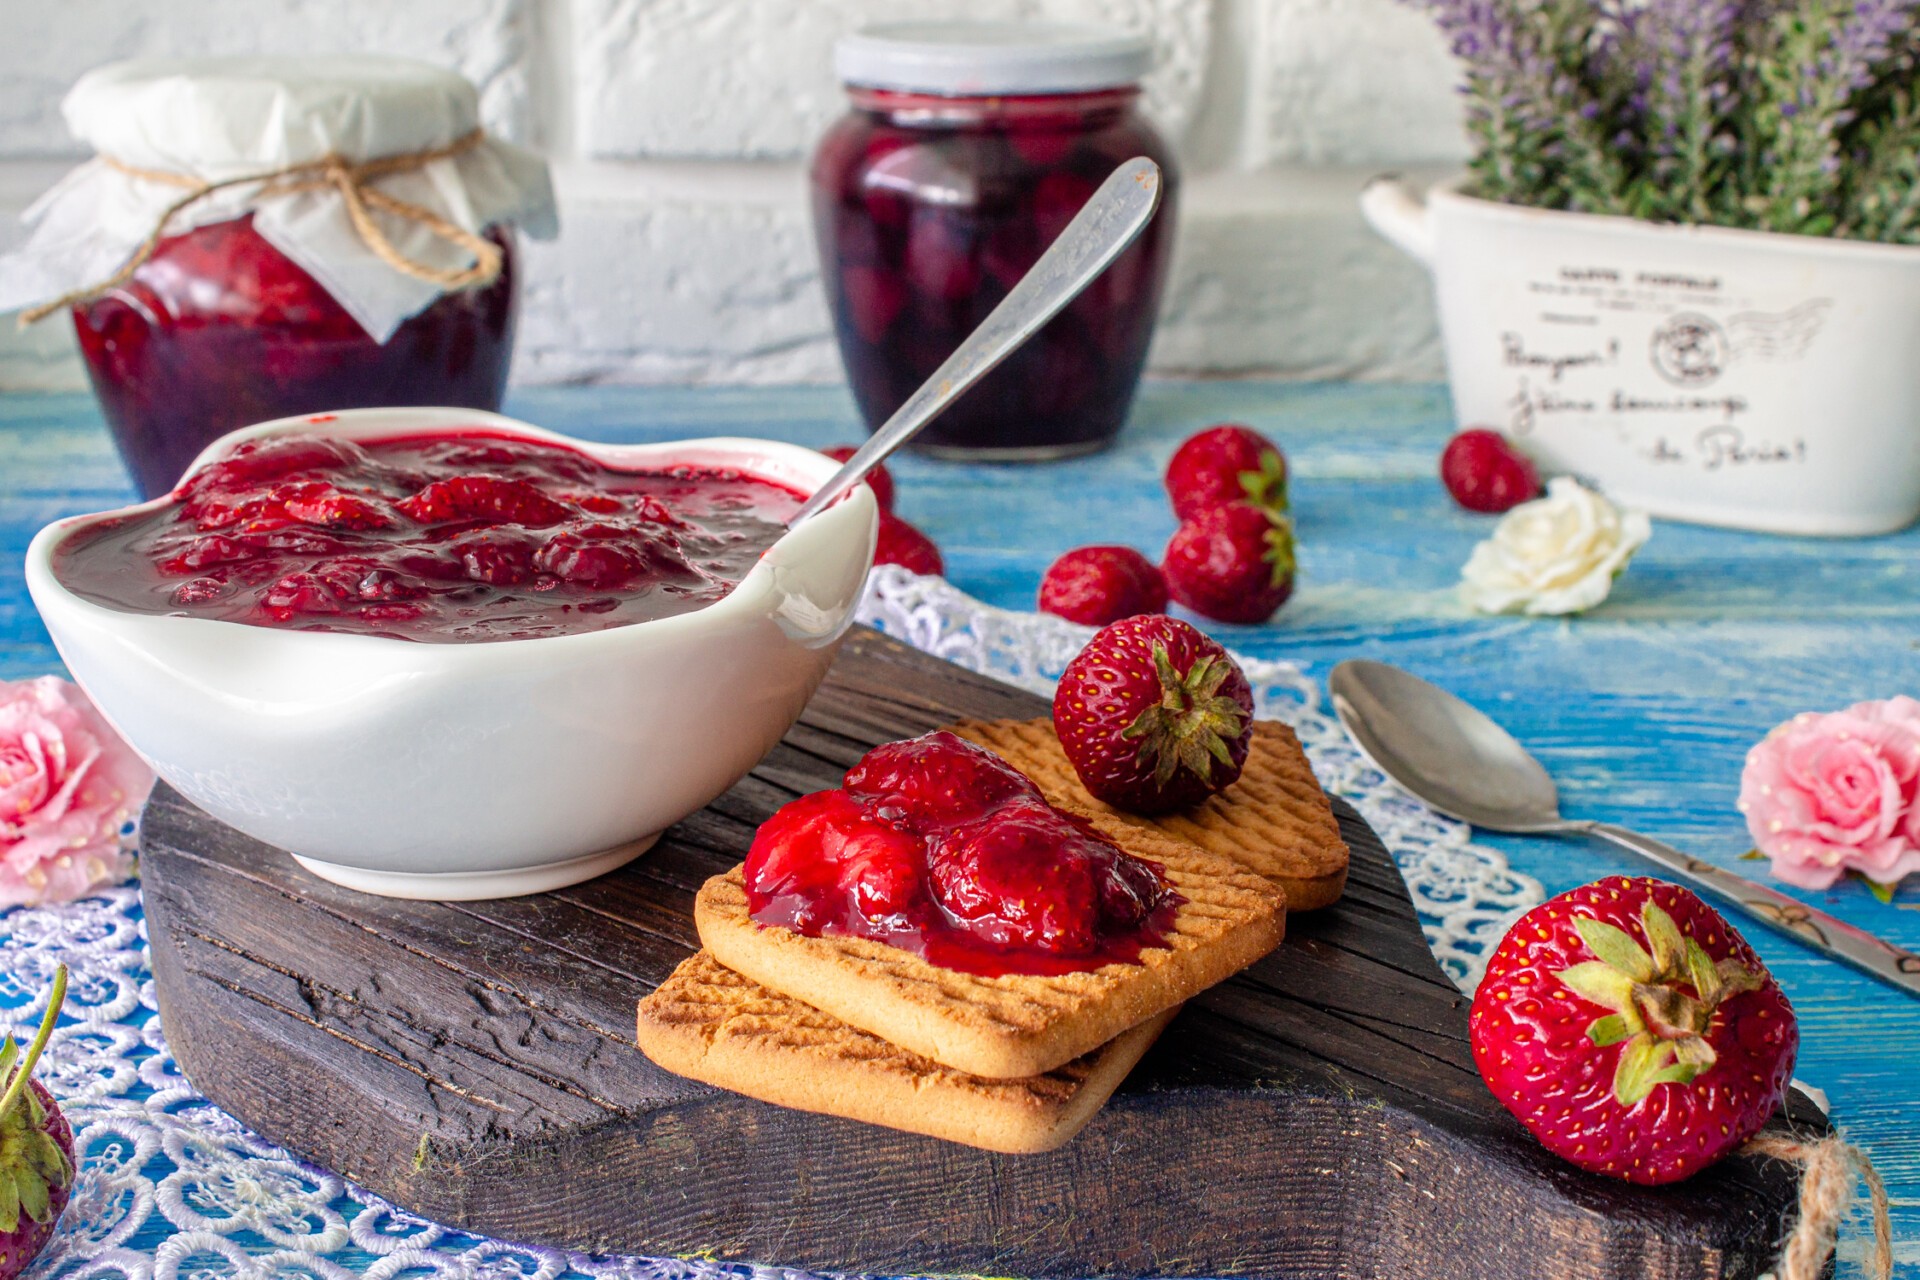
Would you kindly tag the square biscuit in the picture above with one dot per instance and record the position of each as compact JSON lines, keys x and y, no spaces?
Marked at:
{"x":711,"y":1024}
{"x":1275,"y":820}
{"x":1014,"y":1025}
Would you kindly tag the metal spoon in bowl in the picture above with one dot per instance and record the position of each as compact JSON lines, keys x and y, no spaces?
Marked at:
{"x":1098,"y":234}
{"x":1450,"y":755}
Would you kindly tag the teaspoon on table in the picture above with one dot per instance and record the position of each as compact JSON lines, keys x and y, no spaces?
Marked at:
{"x":1453,"y":757}
{"x":1098,"y":234}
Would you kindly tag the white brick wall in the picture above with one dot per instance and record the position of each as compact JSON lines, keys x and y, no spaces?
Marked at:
{"x":679,"y":130}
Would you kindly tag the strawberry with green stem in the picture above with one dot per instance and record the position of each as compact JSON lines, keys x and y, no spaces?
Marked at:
{"x":1632,"y":1031}
{"x":1153,"y":715}
{"x":36,"y":1147}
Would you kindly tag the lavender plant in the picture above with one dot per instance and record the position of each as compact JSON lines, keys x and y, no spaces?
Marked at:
{"x":1798,"y":116}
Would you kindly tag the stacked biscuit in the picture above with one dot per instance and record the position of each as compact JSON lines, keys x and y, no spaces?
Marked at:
{"x":855,"y":1028}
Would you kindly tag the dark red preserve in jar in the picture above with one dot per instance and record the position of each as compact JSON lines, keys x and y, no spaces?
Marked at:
{"x":968,"y":148}
{"x":272,"y":237}
{"x":219,"y":330}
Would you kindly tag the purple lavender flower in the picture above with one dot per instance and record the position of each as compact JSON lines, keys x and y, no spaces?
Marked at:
{"x":1866,"y":40}
{"x":1745,"y":112}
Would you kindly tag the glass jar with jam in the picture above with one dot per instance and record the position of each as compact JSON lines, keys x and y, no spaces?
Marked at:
{"x":333,"y":233}
{"x":968,"y":149}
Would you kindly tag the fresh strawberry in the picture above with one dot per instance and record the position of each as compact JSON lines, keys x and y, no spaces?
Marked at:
{"x":1233,"y":563}
{"x":1632,"y":1031}
{"x":880,"y":480}
{"x":36,"y":1148}
{"x":1484,"y":472}
{"x":1098,"y":585}
{"x":902,"y":544}
{"x":937,"y":777}
{"x":1153,"y":715}
{"x":1224,"y":464}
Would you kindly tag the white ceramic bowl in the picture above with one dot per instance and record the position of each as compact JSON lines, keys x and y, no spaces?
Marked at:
{"x":1704,"y":373}
{"x":456,"y":771}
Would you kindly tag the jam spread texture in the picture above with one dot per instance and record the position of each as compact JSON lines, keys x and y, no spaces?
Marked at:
{"x":469,"y":537}
{"x":941,"y":848}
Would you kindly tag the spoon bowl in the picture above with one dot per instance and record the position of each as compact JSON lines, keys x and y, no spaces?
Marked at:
{"x":1445,"y":751}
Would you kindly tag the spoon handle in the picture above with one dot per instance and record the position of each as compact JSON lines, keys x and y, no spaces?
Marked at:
{"x":1098,"y":234}
{"x":1789,"y":915}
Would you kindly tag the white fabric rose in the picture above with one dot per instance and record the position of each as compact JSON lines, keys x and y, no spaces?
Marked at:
{"x":1557,"y":554}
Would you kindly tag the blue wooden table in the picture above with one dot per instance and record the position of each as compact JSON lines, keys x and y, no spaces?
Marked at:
{"x":1643,"y":710}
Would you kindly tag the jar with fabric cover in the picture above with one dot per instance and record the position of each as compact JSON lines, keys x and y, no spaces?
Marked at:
{"x":263,"y":237}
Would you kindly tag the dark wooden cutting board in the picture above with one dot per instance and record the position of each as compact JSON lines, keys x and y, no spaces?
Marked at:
{"x":1318,"y":1115}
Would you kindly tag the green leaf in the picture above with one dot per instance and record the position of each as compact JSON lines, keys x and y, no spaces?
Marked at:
{"x":1643,"y":1059}
{"x":1615,"y":947}
{"x":1601,"y":983}
{"x":9,"y":1205}
{"x":1669,"y":945}
{"x":33,"y":1194}
{"x":49,"y":1160}
{"x":1702,"y":972}
{"x":1753,"y":855}
{"x":1611,"y":1029}
{"x":1694,"y":1052}
{"x":1884,"y":892}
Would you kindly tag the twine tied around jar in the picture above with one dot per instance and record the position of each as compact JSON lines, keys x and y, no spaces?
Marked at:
{"x":1828,"y":1168}
{"x":352,"y":181}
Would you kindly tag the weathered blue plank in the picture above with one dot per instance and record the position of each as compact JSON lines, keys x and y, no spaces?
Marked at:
{"x":1643,"y":710}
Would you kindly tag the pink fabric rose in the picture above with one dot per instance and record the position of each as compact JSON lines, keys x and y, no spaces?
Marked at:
{"x":1829,"y":793}
{"x":68,"y":783}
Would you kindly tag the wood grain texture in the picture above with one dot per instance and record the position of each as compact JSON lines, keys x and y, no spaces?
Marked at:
{"x":1317,"y":1116}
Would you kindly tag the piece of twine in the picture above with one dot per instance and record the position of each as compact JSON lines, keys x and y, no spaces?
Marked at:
{"x":352,"y":181}
{"x":1828,"y":1169}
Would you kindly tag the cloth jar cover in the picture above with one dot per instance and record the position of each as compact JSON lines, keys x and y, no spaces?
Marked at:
{"x":214,"y":119}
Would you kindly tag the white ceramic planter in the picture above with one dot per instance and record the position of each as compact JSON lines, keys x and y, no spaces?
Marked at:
{"x":1727,"y":377}
{"x":450,"y":771}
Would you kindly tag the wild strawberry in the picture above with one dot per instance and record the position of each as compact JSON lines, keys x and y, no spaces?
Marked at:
{"x":880,"y":480}
{"x":902,"y":544}
{"x":490,"y":499}
{"x":826,"y":841}
{"x":1224,"y":464}
{"x":1006,"y":870}
{"x":254,"y":464}
{"x":1484,"y":472}
{"x":36,"y":1148}
{"x":1233,"y":563}
{"x":937,"y":777}
{"x":496,"y":557}
{"x":1632,"y":1031}
{"x":336,"y":587}
{"x":1025,"y":876}
{"x":1098,"y":585}
{"x":607,"y":556}
{"x":317,"y":502}
{"x":1153,"y":715}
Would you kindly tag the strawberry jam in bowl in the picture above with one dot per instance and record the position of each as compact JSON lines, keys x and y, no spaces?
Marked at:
{"x":943,"y":849}
{"x":439,"y":653}
{"x":436,"y":538}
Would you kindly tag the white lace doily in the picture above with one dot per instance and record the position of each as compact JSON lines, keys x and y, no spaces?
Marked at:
{"x":171,"y":1188}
